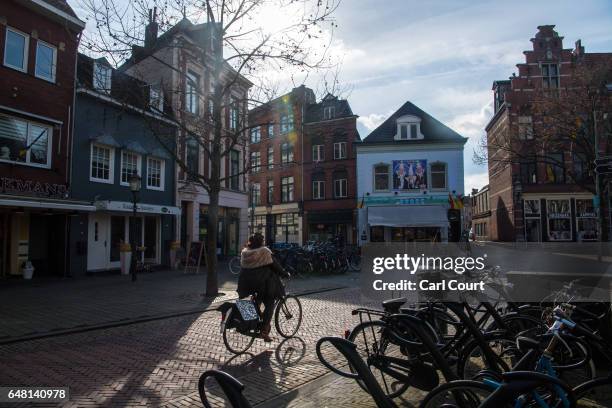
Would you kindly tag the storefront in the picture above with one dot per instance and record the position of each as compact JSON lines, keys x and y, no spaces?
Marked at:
{"x":559,"y":218}
{"x":110,"y":226}
{"x":324,"y":225}
{"x":228,"y":230}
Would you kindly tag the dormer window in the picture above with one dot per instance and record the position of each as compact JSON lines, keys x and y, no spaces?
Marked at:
{"x":408,"y":128}
{"x":156,"y":98}
{"x":329,"y":112}
{"x":102,"y":77}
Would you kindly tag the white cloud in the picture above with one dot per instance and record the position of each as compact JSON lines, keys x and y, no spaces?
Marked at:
{"x":476,"y":180}
{"x":373,"y":120}
{"x":472,"y":124}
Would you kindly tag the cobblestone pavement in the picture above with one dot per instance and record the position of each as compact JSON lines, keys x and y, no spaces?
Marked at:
{"x":158,"y":363}
{"x":34,"y":308}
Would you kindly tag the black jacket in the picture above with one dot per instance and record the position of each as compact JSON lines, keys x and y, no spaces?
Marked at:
{"x":260,"y":274}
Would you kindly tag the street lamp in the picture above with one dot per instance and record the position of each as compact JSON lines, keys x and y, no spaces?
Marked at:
{"x":269,"y":240}
{"x":134,"y":181}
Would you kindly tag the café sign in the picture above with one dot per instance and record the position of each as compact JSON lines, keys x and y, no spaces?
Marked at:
{"x":32,"y":188}
{"x":403,"y":200}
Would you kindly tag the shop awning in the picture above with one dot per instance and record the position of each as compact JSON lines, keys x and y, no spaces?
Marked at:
{"x":140,"y":207}
{"x":47,"y":204}
{"x":408,"y":216}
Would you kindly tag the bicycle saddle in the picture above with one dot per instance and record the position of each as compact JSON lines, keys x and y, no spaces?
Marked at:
{"x":393,"y":305}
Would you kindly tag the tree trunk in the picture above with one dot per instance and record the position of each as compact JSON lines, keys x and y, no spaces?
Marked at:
{"x":212,"y":286}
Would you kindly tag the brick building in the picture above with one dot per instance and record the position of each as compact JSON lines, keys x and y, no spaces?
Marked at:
{"x":481,"y":213}
{"x":303,"y":167}
{"x":38,"y":51}
{"x":537,"y":199}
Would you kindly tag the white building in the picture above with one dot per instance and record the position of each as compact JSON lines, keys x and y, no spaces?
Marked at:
{"x":407,"y":171}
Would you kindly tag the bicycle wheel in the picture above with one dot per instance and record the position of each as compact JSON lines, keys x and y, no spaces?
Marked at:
{"x":455,"y":394}
{"x":595,"y":393}
{"x":288,"y":316}
{"x":373,"y":345}
{"x":472,"y":360}
{"x":234,"y":265}
{"x":355,"y":262}
{"x":235,"y":341}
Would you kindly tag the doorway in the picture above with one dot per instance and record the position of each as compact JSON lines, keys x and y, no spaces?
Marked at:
{"x":97,"y":242}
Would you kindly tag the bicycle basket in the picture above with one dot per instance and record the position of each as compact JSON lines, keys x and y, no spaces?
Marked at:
{"x":247,"y":309}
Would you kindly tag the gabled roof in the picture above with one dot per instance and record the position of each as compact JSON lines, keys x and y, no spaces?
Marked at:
{"x":314,"y":112}
{"x":432,"y":129}
{"x":61,"y":5}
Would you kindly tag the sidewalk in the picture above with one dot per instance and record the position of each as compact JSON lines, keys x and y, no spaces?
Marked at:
{"x":39,"y":308}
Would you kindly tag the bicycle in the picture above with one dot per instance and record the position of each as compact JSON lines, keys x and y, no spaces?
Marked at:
{"x":234,"y":265}
{"x":239,"y":334}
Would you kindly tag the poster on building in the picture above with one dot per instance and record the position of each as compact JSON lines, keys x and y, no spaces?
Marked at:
{"x":409,"y":175}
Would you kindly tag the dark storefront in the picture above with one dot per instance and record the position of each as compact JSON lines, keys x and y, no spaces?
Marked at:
{"x":323,"y":225}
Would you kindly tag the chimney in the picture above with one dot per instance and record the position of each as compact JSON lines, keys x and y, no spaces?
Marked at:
{"x":579,"y":50}
{"x":151,"y":29}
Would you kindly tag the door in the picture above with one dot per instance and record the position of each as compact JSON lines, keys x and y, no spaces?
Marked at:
{"x":136,"y":230}
{"x":151,"y":239}
{"x":117,"y":236}
{"x":97,"y":243}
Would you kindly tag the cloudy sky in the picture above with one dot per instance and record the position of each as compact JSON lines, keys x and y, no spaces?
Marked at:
{"x":442,"y":55}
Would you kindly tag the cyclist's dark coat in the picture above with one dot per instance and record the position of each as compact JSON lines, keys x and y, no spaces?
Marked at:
{"x":260,"y":273}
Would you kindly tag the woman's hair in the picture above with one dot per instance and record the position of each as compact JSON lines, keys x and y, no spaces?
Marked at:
{"x":255,"y":241}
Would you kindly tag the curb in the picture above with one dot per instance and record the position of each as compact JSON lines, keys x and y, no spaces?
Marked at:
{"x":128,"y":321}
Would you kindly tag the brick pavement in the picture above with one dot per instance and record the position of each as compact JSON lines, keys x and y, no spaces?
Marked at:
{"x":30,"y":309}
{"x":158,"y":363}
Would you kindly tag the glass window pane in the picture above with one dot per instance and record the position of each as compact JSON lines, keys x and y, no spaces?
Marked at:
{"x":15,"y":50}
{"x":44,"y":61}
{"x":39,"y":137}
{"x":13,"y":136}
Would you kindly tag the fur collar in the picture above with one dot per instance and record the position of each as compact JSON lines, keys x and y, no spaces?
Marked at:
{"x":254,"y":258}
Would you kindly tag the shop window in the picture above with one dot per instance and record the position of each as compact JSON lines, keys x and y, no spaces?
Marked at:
{"x":438,"y":176}
{"x":381,"y":177}
{"x":318,"y":190}
{"x":559,"y":225}
{"x":16,"y":49}
{"x":586,"y":220}
{"x":377,"y":234}
{"x":25,"y":142}
{"x":286,"y":189}
{"x":155,"y":173}
{"x":102,"y":164}
{"x":130,"y":164}
{"x":46,"y":58}
{"x":286,"y":227}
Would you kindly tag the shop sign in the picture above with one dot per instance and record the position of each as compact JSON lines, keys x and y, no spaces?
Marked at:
{"x":398,"y":200}
{"x":587,"y":214}
{"x":125,"y":206}
{"x":32,"y":188}
{"x":558,"y":215}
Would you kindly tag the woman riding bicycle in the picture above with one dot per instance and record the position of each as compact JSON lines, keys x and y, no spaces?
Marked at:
{"x":260,"y":274}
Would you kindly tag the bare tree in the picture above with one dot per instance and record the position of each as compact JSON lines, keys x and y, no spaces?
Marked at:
{"x":229,"y":38}
{"x":553,"y":138}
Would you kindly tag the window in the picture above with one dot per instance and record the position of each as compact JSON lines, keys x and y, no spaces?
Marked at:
{"x":211,"y":106}
{"x":581,"y":168}
{"x":130,"y":164}
{"x":192,"y":158}
{"x":25,"y":142}
{"x":559,"y":225}
{"x":271,"y":130}
{"x":234,"y":113}
{"x":555,"y":172}
{"x":102,"y":163}
{"x":16,"y":50}
{"x":102,"y":77}
{"x":286,"y":153}
{"x":438,"y":176}
{"x":525,"y":128}
{"x":550,"y":76}
{"x":286,"y":227}
{"x":381,"y":177}
{"x":255,"y":135}
{"x":329,"y":112}
{"x":340,"y":188}
{"x":318,"y":190}
{"x":46,"y":58}
{"x":270,"y":191}
{"x":192,"y":85}
{"x":155,"y":173}
{"x":234,"y":169}
{"x":403,"y":132}
{"x":255,"y":162}
{"x":270,"y":157}
{"x":286,"y":189}
{"x":408,"y":128}
{"x":586,"y":220}
{"x":339,"y":150}
{"x":318,"y":153}
{"x":156,"y":98}
{"x":256,"y":194}
{"x":529,"y":173}
{"x":377,"y":234}
{"x":286,"y":123}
